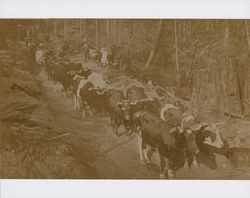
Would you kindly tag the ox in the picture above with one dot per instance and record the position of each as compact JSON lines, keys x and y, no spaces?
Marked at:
{"x":93,"y":98}
{"x":116,"y":98}
{"x":79,"y":80}
{"x":175,"y":136}
{"x":63,"y":73}
{"x":135,"y":101}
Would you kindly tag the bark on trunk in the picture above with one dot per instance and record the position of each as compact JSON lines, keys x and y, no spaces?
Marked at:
{"x":96,"y":33}
{"x":80,"y":29}
{"x":65,"y":29}
{"x":154,"y":45}
{"x":239,"y":89}
{"x":55,"y":29}
{"x":176,"y":57}
{"x":247,"y":31}
{"x":119,"y":31}
{"x":3,"y":42}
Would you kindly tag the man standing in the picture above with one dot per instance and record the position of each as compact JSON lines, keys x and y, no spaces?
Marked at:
{"x":40,"y":56}
{"x":85,"y":49}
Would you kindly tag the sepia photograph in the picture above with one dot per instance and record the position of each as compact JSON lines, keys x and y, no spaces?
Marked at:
{"x":103,"y":98}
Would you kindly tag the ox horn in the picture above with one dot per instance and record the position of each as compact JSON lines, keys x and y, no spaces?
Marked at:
{"x":100,"y":92}
{"x":105,"y":90}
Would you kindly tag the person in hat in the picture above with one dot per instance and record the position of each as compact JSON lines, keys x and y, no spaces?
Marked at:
{"x":85,"y":47}
{"x":40,"y":54}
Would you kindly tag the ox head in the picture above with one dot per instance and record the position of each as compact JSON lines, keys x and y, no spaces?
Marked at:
{"x":190,"y":126}
{"x":129,"y":108}
{"x":212,"y":136}
{"x":126,"y":108}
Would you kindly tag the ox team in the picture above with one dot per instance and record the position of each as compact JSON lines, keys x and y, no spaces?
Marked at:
{"x":165,"y":128}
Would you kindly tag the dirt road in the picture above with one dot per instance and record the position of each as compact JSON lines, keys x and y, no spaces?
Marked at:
{"x":95,"y":146}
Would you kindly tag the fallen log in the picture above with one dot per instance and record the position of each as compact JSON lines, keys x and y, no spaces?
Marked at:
{"x":57,"y":137}
{"x":232,"y":115}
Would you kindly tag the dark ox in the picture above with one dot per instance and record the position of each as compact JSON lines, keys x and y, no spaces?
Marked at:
{"x":134,"y":93}
{"x":63,"y":73}
{"x":111,"y":54}
{"x":92,"y":98}
{"x":77,"y":77}
{"x":115,"y":111}
{"x":59,"y":75}
{"x":136,"y":99}
{"x":122,"y":110}
{"x":179,"y":144}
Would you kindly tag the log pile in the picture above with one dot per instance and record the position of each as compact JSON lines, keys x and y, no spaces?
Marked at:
{"x":236,"y":132}
{"x":30,"y":146}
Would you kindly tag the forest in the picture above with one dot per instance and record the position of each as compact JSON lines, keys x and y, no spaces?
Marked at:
{"x":200,"y":66}
{"x":202,"y":60}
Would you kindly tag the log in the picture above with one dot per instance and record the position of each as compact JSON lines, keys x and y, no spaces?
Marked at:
{"x":232,"y":115}
{"x":57,"y":137}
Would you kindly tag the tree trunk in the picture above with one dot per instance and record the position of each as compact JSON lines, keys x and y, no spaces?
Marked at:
{"x":84,"y":27}
{"x":119,"y":31}
{"x":155,"y":44}
{"x":247,"y":69}
{"x":65,"y":29}
{"x":184,"y":30}
{"x":80,"y":29}
{"x":108,"y":29}
{"x":176,"y":57}
{"x":131,"y":28}
{"x":3,"y":42}
{"x":114,"y":31}
{"x":224,"y":69}
{"x":55,"y":29}
{"x":46,"y":26}
{"x":247,"y":32}
{"x":239,"y":89}
{"x":96,"y":33}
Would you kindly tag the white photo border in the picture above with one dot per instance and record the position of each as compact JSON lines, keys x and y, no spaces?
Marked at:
{"x":209,"y":9}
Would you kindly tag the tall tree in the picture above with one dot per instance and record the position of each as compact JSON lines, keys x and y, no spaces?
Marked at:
{"x":155,"y":45}
{"x":3,"y":42}
{"x":119,"y":30}
{"x":55,"y":28}
{"x":131,"y":28}
{"x":114,"y":30}
{"x":247,"y":33}
{"x":80,"y":29}
{"x":65,"y":29}
{"x":176,"y":56}
{"x":108,"y":28}
{"x":247,"y":68}
{"x":96,"y":33}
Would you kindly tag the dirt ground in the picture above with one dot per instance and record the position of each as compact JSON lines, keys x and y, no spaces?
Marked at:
{"x":90,"y":150}
{"x":104,"y":155}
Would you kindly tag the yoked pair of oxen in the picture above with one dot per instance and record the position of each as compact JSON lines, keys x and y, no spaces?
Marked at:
{"x":176,"y":136}
{"x":165,"y":128}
